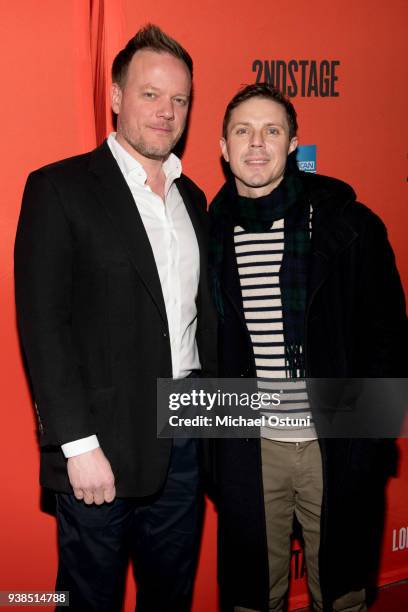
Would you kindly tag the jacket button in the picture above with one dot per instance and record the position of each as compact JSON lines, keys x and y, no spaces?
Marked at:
{"x":164,"y":335}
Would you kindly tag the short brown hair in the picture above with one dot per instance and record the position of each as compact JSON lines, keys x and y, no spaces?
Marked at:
{"x":261,"y":90}
{"x":148,"y":37}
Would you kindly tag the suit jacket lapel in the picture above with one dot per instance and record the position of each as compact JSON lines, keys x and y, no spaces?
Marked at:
{"x":117,"y":200}
{"x":196,"y":219}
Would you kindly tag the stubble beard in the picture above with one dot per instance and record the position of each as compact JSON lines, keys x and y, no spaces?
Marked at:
{"x":156,"y":152}
{"x":149,"y":151}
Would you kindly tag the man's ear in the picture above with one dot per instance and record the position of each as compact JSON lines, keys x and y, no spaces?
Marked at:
{"x":224,"y":149}
{"x":116,"y":98}
{"x":293,"y":144}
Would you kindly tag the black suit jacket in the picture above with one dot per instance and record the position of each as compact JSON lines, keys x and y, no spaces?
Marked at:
{"x":92,"y":317}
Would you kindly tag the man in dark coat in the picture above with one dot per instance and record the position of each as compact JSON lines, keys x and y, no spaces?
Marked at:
{"x":112,"y":293}
{"x":305,"y":285}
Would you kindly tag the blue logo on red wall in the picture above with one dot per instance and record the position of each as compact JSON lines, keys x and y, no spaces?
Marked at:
{"x":306,"y":157}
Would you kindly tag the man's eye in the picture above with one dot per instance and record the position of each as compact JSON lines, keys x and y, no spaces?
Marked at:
{"x":149,"y":94}
{"x":242,"y":130}
{"x":180,"y":101}
{"x":273,"y":130}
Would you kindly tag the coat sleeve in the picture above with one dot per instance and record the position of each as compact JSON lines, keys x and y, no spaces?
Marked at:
{"x":43,"y":288}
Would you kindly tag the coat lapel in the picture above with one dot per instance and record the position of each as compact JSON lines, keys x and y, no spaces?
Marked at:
{"x":117,"y":200}
{"x":230,"y":282}
{"x":331,"y":234}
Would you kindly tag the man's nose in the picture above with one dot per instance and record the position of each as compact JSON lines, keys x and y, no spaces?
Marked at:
{"x":166,"y":109}
{"x":257,"y":139}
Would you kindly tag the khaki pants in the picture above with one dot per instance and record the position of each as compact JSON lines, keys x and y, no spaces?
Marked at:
{"x":292,"y":481}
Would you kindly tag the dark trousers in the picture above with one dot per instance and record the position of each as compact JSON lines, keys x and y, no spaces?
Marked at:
{"x":161,"y":536}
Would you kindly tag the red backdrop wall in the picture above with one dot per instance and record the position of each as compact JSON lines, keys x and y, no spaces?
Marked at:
{"x":55,"y":63}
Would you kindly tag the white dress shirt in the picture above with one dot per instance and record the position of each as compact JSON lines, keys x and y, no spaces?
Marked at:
{"x":175,"y":250}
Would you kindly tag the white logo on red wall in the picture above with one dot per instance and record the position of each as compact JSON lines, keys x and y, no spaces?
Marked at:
{"x":400,"y":539}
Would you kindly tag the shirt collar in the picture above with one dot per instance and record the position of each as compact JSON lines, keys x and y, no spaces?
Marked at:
{"x":133,"y":170}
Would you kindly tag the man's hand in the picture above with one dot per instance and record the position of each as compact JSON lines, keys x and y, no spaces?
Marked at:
{"x":91,"y":477}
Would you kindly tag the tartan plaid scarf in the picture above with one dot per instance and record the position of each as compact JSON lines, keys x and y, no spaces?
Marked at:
{"x":287,"y":201}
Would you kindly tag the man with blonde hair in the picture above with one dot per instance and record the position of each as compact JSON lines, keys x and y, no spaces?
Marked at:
{"x":112,"y":293}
